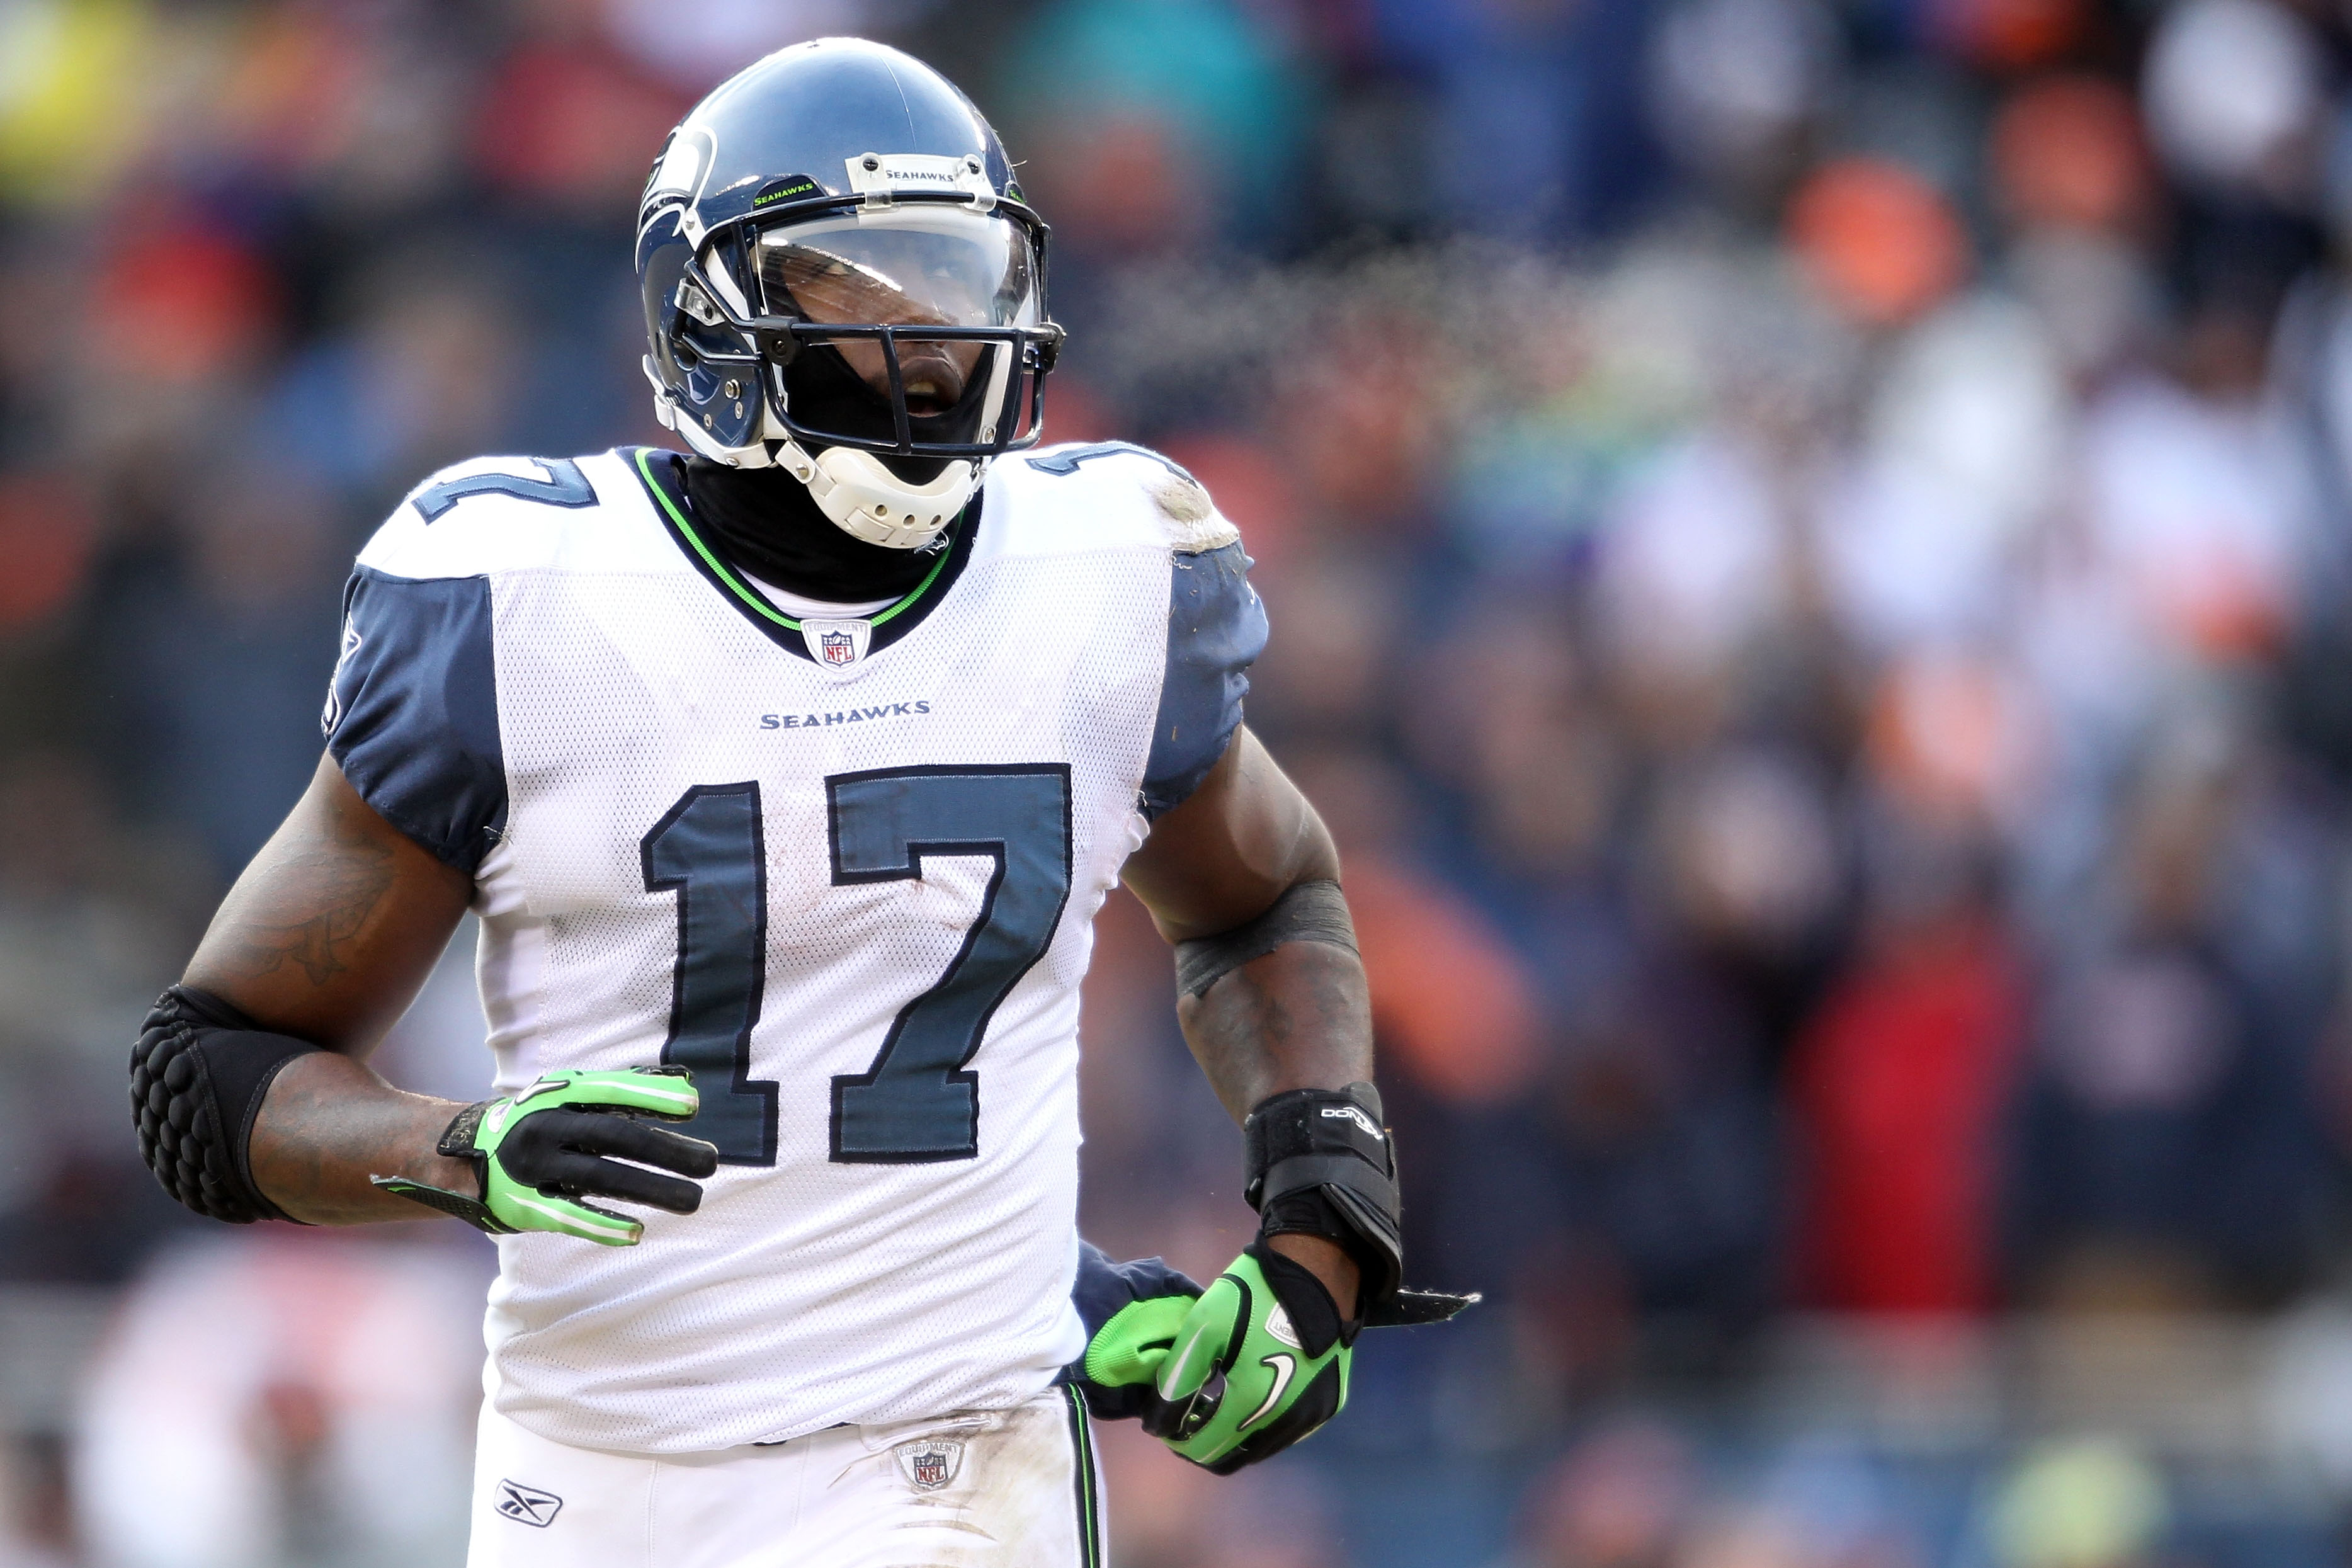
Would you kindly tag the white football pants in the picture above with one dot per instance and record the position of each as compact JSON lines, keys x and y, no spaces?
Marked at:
{"x":1005,"y":1488}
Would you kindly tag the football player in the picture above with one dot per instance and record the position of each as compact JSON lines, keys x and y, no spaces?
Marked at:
{"x":785,"y":776}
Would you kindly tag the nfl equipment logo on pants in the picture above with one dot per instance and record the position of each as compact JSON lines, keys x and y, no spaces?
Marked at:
{"x":930,"y":1465}
{"x":998,"y":1488}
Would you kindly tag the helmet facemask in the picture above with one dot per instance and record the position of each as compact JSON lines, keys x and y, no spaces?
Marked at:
{"x":899,"y":348}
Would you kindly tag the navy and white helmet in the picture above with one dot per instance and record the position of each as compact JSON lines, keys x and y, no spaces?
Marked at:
{"x":840,"y":279}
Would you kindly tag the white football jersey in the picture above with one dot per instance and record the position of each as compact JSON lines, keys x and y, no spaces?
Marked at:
{"x":845,"y":871}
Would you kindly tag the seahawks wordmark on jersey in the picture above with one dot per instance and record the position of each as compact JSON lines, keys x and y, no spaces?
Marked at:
{"x":853,"y":893}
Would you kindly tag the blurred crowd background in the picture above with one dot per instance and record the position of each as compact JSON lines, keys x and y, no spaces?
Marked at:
{"x":1810,"y":548}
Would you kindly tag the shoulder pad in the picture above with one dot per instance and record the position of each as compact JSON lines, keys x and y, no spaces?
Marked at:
{"x":1124,"y":482}
{"x":487,"y":514}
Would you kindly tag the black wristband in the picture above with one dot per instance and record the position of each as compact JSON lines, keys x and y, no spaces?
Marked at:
{"x":1305,"y":1212}
{"x":198,"y":1076}
{"x":1319,"y":1162}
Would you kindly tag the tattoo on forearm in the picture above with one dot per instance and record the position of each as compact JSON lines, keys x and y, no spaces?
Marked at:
{"x":341,"y":888}
{"x":1298,"y":1016}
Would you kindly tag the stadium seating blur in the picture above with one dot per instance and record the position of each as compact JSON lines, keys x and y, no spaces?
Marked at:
{"x":1810,"y":551}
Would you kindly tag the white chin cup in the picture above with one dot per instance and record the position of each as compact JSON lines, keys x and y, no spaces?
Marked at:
{"x":867,"y":501}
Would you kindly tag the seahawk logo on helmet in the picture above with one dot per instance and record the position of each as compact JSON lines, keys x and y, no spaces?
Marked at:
{"x":840,"y":279}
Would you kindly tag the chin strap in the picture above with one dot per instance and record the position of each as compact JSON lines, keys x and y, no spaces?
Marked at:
{"x":865,"y":500}
{"x":855,"y":488}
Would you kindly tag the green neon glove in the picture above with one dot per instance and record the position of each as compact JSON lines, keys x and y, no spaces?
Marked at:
{"x":1256,"y":1364}
{"x":541,"y":1151}
{"x":1123,"y":1359}
{"x":1236,"y":1374}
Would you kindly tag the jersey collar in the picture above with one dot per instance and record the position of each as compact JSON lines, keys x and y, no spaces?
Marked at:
{"x":657,"y":471}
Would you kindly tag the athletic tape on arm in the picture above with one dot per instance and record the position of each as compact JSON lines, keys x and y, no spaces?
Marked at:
{"x":1309,"y":911}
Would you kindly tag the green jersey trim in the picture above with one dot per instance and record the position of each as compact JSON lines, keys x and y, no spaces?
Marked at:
{"x":1082,"y":1446}
{"x":783,"y":629}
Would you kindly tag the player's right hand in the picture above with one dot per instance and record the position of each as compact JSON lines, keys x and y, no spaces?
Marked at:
{"x":565,"y":1138}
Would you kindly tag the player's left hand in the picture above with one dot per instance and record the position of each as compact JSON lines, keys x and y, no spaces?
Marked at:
{"x":1238,"y":1373}
{"x":1258,"y":1362}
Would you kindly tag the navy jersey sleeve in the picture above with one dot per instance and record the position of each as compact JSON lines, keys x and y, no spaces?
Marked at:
{"x":1216,"y":629}
{"x":1103,"y":1287}
{"x":413,"y":714}
{"x":1100,"y":1290}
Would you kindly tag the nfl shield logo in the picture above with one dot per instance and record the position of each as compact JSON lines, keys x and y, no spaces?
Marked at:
{"x":931,"y":1464}
{"x":837,"y":645}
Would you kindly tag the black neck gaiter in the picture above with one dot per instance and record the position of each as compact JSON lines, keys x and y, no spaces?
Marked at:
{"x":764,"y":522}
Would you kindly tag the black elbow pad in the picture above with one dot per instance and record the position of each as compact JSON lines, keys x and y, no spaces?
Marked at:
{"x":198,"y":1075}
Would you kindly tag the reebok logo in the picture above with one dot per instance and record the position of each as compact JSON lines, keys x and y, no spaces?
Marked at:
{"x":334,"y":713}
{"x":527,"y":1505}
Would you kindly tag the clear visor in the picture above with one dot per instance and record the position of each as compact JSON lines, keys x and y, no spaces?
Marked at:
{"x":916,"y":266}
